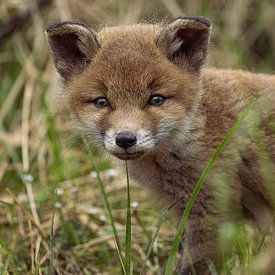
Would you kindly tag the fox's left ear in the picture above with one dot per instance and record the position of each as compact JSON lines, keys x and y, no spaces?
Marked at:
{"x":185,"y":41}
{"x":72,"y":45}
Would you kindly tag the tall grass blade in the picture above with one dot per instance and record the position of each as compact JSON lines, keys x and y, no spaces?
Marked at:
{"x":105,"y":200}
{"x":120,"y":259}
{"x":155,"y":235}
{"x":172,"y":257}
{"x":264,"y":235}
{"x":128,"y":226}
{"x":51,"y":269}
{"x":151,"y":244}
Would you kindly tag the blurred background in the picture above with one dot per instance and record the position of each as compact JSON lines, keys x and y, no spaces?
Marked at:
{"x":44,"y":168}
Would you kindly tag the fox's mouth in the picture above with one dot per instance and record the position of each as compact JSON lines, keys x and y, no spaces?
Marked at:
{"x":129,"y":156}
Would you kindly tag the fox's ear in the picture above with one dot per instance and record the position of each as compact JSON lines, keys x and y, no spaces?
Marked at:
{"x":185,"y":41}
{"x":72,"y":47}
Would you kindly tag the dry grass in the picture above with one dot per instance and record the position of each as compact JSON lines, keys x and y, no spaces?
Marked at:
{"x":44,"y":168}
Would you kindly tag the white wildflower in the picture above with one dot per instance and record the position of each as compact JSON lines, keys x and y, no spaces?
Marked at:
{"x":27,"y":178}
{"x":92,"y":210}
{"x":58,"y":205}
{"x":59,"y":191}
{"x":102,"y":217}
{"x":93,"y":174}
{"x":134,"y":204}
{"x":112,"y":173}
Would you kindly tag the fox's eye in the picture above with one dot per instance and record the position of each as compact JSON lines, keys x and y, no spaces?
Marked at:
{"x":156,"y":100}
{"x":101,"y":102}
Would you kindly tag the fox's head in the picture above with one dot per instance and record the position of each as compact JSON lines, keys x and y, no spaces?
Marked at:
{"x":131,"y":88}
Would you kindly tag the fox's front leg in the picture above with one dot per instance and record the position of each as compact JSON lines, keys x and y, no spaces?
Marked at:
{"x":200,"y":246}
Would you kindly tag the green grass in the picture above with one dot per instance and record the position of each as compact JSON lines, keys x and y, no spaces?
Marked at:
{"x":109,"y":209}
{"x":128,"y":228}
{"x":71,"y":217}
{"x":178,"y":237}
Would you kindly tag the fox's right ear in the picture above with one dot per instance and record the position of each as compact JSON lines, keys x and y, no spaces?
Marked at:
{"x":72,"y":45}
{"x":185,"y":41}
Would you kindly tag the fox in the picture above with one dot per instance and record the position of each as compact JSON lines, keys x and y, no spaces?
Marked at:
{"x":141,"y":93}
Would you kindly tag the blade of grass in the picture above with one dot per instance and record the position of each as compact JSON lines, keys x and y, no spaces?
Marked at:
{"x":155,"y":235}
{"x":264,"y":235}
{"x":10,"y":255}
{"x":172,"y":257}
{"x":120,"y":259}
{"x":151,"y":244}
{"x":105,"y":200}
{"x":128,"y":226}
{"x":189,"y":259}
{"x":51,"y":268}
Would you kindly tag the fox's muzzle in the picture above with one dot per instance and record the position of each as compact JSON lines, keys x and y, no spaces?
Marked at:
{"x":126,"y":139}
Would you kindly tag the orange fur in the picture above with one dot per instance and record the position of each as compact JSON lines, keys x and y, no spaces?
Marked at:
{"x":127,"y":65}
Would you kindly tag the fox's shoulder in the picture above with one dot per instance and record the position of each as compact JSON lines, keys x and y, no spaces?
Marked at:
{"x":225,"y":88}
{"x":227,"y":92}
{"x":246,"y":84}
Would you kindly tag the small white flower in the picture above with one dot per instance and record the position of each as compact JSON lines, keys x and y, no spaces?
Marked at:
{"x":27,"y":178}
{"x":102,"y":217}
{"x":112,"y":173}
{"x":59,"y":191}
{"x":92,"y":210}
{"x":58,"y":205}
{"x":134,"y":204}
{"x":93,"y":174}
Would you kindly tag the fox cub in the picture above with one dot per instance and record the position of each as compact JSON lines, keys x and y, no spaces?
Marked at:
{"x":140,"y":93}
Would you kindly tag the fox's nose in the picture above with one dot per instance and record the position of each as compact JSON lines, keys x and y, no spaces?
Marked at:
{"x":126,"y":139}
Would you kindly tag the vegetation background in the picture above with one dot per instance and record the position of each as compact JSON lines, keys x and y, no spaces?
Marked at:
{"x":44,"y":168}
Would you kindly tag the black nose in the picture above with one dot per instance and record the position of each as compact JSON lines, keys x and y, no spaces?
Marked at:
{"x":126,"y":139}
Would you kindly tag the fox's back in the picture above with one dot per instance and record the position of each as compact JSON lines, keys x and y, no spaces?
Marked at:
{"x":226,"y":93}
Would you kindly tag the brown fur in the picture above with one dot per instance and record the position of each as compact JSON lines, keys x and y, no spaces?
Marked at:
{"x":126,"y":64}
